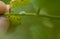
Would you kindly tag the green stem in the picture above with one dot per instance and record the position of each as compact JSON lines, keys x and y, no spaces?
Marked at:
{"x":38,"y":12}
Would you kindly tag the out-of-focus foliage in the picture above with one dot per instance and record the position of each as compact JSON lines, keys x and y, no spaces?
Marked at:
{"x":14,"y":3}
{"x":20,"y":5}
{"x":15,"y":20}
{"x":45,"y":26}
{"x":6,"y":1}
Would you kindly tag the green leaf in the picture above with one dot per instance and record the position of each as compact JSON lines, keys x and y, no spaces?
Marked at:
{"x":17,"y":8}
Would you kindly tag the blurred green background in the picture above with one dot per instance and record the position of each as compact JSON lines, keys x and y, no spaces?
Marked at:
{"x":6,"y":1}
{"x":44,"y":26}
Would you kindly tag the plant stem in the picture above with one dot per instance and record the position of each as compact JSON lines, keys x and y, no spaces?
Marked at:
{"x":38,"y":12}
